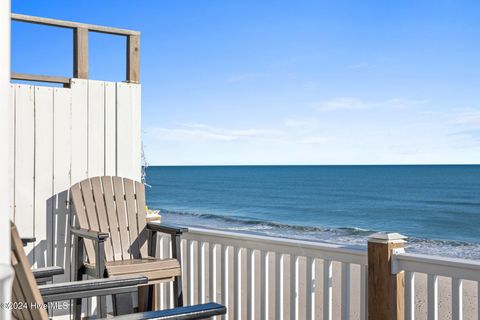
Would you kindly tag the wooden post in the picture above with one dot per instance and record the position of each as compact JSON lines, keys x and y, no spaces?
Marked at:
{"x":385,"y":290}
{"x":80,"y":53}
{"x":133,"y":58}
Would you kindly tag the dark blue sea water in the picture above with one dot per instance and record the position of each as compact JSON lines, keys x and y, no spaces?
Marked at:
{"x":437,"y":206}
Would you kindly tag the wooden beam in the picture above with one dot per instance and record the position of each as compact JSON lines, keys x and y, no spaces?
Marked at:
{"x":72,"y":25}
{"x":80,"y":53}
{"x":385,"y":290}
{"x":39,"y":78}
{"x":133,"y":58}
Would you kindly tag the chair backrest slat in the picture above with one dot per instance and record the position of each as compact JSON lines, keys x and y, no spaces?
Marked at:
{"x":102,"y":215}
{"x":142,"y":218}
{"x":132,"y":217}
{"x":122,"y":216}
{"x":24,"y":285}
{"x":81,"y":218}
{"x":115,"y":205}
{"x":112,"y":218}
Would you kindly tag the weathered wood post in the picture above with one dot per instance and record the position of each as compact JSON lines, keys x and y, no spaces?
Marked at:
{"x":80,"y":53}
{"x":385,"y":290}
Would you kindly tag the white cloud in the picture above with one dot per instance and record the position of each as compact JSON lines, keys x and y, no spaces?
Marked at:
{"x":468,"y":118}
{"x":350,"y":103}
{"x":203,"y":132}
{"x":313,"y":140}
{"x":246,"y":76}
{"x":301,"y":123}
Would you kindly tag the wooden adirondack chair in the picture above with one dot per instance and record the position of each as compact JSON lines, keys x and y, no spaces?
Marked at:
{"x":111,"y":216}
{"x":28,"y":299}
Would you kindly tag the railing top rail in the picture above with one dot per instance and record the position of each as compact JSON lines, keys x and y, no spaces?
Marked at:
{"x":436,"y":265}
{"x":72,"y":25}
{"x":80,"y":49}
{"x":347,"y":254}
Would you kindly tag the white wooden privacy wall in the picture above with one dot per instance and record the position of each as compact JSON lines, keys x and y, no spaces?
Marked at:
{"x":62,"y":136}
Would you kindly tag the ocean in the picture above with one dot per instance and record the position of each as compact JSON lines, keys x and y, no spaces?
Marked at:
{"x":436,"y":206}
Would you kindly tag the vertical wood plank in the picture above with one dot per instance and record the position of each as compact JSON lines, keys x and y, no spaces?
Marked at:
{"x":250,"y":283}
{"x":121,"y":216}
{"x":112,"y":217}
{"x":125,"y":134}
{"x":80,"y":53}
{"x":236,"y":282}
{"x":133,"y":58}
{"x":257,"y":285}
{"x":104,"y":226}
{"x":24,"y":163}
{"x":136,"y":132}
{"x":110,"y":129}
{"x":185,"y":254}
{"x":61,"y":182}
{"x":79,"y":91}
{"x":79,"y":139}
{"x":96,"y":128}
{"x":11,"y":146}
{"x":271,"y":285}
{"x":43,"y":173}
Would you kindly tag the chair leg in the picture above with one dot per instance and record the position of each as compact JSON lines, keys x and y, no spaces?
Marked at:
{"x":143,"y":298}
{"x":152,"y":298}
{"x":77,"y":304}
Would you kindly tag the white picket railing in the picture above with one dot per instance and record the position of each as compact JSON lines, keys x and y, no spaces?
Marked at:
{"x":260,"y":277}
{"x":457,"y":270}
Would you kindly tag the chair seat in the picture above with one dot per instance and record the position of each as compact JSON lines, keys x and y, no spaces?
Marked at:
{"x":157,"y":270}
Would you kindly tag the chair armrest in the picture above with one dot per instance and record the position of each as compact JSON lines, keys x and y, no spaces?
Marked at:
{"x":199,"y":311}
{"x":166,"y":228}
{"x":27,"y":240}
{"x":90,"y":288}
{"x":47,"y":272}
{"x":90,"y":234}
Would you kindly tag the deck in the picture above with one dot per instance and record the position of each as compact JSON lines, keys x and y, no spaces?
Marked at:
{"x":88,"y":127}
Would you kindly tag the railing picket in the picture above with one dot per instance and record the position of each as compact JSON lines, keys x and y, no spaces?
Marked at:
{"x":309,"y":287}
{"x":257,"y":311}
{"x":278,"y":282}
{"x":363,"y":292}
{"x":194,"y":273}
{"x":302,"y":291}
{"x":457,"y":299}
{"x":244,"y":284}
{"x":263,"y":286}
{"x":272,"y":286}
{"x":185,"y":254}
{"x":345,"y":303}
{"x":206,"y":274}
{"x":318,"y":275}
{"x":286,"y":290}
{"x":293,"y":287}
{"x":432,"y":296}
{"x":250,"y":284}
{"x":236,"y":283}
{"x":410,"y":295}
{"x":327,"y":289}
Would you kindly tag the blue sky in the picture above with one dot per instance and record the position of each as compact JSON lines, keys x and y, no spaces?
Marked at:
{"x":284,"y":82}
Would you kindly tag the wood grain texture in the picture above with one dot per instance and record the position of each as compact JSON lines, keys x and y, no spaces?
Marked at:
{"x":385,"y":291}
